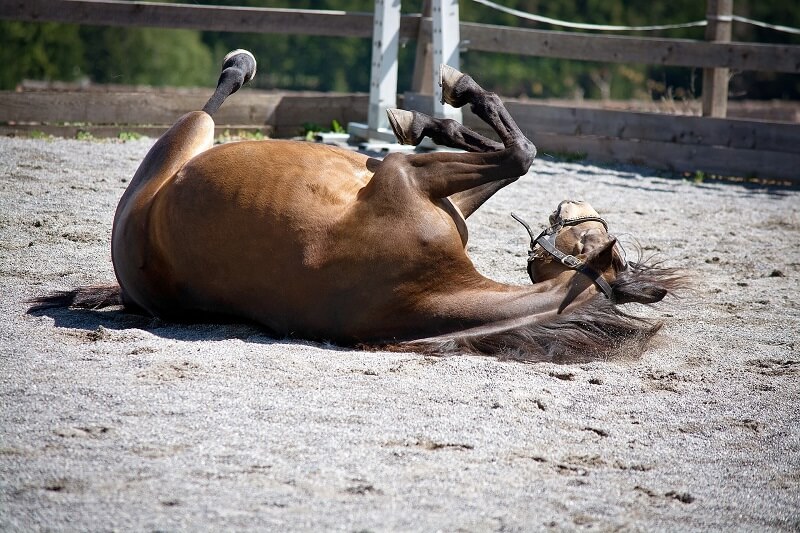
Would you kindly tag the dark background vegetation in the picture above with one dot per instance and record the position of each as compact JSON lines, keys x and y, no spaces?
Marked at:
{"x":49,"y":51}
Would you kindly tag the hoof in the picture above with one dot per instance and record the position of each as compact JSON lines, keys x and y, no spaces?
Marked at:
{"x":448,"y":78}
{"x":401,"y":122}
{"x":243,"y":60}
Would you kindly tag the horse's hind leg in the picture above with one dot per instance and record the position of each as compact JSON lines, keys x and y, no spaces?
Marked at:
{"x":192,"y":134}
{"x":238,"y":68}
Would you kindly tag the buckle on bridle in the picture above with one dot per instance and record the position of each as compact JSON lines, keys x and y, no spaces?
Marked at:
{"x":571,"y":261}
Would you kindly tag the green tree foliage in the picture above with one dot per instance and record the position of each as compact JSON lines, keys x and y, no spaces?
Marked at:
{"x":150,"y":56}
{"x":304,"y":62}
{"x":39,"y":51}
{"x":543,"y":77}
{"x":181,"y":57}
{"x":766,"y":85}
{"x":128,"y":56}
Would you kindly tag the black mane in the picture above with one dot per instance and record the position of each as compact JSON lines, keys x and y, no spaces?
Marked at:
{"x":600,"y":330}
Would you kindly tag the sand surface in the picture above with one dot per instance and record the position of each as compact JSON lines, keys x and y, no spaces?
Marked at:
{"x":110,"y":421}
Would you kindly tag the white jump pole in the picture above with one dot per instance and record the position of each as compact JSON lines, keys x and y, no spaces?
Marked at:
{"x":383,"y":75}
{"x":383,"y":78}
{"x":446,"y":41}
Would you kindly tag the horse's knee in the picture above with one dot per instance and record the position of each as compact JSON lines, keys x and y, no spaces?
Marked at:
{"x":521,"y":156}
{"x":530,"y":149}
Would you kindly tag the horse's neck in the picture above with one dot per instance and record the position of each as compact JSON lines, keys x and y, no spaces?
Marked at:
{"x":542,"y":322}
{"x":490,"y":304}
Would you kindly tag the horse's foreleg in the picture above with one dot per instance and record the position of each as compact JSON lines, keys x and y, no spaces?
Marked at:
{"x":516,"y":152}
{"x":459,"y":89}
{"x":411,"y":127}
{"x":470,"y":200}
{"x":444,"y":174}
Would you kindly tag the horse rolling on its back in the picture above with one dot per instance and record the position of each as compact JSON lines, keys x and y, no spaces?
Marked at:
{"x":321,"y":243}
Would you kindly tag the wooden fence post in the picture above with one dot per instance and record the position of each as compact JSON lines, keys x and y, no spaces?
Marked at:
{"x":715,"y":80}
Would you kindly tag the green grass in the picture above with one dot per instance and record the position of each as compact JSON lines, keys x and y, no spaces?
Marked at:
{"x":125,"y":136}
{"x":37,"y":134}
{"x":240,"y":135}
{"x":311,"y":129}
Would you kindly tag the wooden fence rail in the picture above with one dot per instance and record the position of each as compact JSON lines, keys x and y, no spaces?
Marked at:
{"x":278,"y":114}
{"x":206,"y":18}
{"x":617,"y":49}
{"x":479,"y":37}
{"x":724,"y":146}
{"x":729,"y":147}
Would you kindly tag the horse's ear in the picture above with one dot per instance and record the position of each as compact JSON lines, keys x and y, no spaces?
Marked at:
{"x":641,"y":289}
{"x":644,"y":290}
{"x":601,"y":257}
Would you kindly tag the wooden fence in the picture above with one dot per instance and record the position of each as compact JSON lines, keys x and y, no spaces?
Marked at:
{"x":151,"y":112}
{"x":681,"y":143}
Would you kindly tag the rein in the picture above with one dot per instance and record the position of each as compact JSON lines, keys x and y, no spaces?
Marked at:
{"x":547,"y":240}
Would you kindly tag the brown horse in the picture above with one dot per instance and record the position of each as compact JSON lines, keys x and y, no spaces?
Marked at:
{"x":321,"y":243}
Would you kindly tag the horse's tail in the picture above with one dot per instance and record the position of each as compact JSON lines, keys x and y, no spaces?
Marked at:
{"x":88,"y":297}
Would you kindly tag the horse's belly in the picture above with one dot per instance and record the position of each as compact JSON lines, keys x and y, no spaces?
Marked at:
{"x":241,"y":230}
{"x":283,"y":240}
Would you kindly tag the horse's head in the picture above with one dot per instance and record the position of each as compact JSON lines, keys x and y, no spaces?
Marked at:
{"x":577,"y":239}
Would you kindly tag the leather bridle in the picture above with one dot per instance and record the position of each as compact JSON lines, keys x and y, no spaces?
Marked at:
{"x":547,"y":241}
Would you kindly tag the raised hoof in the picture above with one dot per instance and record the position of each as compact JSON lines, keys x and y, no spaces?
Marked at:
{"x":243,"y":60}
{"x":401,"y":121}
{"x":448,"y":78}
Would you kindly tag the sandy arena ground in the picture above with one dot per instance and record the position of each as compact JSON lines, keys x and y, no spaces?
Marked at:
{"x":110,"y":421}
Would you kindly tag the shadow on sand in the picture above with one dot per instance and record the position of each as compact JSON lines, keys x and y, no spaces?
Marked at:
{"x":210,"y":328}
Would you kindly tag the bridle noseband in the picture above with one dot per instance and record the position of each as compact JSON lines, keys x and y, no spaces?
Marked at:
{"x":547,"y":241}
